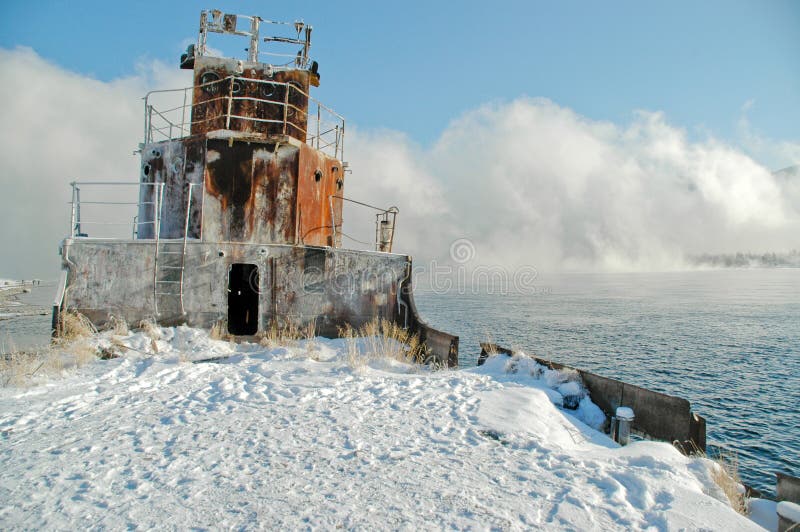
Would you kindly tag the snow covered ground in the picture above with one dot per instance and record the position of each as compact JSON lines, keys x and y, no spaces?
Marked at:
{"x":303,"y":437}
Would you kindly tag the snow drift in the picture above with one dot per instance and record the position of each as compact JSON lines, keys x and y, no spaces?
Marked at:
{"x":296,"y":437}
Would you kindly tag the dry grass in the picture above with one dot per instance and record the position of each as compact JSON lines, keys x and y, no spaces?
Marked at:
{"x":492,"y":347}
{"x":118,"y":326}
{"x":355,"y":359}
{"x":20,"y":367}
{"x":726,"y":475}
{"x":290,"y":334}
{"x":383,"y":339}
{"x":286,"y":335}
{"x":82,"y":353}
{"x":724,"y":472}
{"x":310,"y":335}
{"x":311,"y":330}
{"x":150,"y":328}
{"x":17,"y":366}
{"x":152,"y":331}
{"x":219,"y":331}
{"x":73,"y":325}
{"x":69,"y":348}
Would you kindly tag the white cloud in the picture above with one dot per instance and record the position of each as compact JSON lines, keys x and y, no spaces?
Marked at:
{"x":528,"y":181}
{"x":59,"y":126}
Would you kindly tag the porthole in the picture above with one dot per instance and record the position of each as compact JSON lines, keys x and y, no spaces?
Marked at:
{"x":146,"y":170}
{"x":237,"y":87}
{"x":267,"y":90}
{"x":339,"y":184}
{"x":318,"y":176}
{"x":177,"y":166}
{"x":207,"y":81}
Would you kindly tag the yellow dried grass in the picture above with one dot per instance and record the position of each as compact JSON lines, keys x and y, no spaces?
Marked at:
{"x":725,"y":474}
{"x":219,"y":331}
{"x":286,"y":335}
{"x":73,"y":325}
{"x":20,"y":368}
{"x":118,"y":326}
{"x":383,"y":339}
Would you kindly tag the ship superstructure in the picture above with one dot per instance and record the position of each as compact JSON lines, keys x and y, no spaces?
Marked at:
{"x":239,"y":210}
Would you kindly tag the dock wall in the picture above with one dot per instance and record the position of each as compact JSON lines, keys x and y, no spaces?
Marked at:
{"x":658,"y":416}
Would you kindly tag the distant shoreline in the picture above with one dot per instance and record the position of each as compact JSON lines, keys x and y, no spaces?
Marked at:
{"x":747,"y":260}
{"x":12,"y":306}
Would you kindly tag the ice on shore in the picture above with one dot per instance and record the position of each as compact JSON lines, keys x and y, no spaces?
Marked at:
{"x":296,"y":437}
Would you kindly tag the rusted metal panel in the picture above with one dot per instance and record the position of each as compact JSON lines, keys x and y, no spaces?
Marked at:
{"x":788,"y":488}
{"x":229,"y":178}
{"x":269,"y":192}
{"x":320,"y":177}
{"x":229,"y":23}
{"x":151,"y":173}
{"x":251,"y":191}
{"x":264,"y":105}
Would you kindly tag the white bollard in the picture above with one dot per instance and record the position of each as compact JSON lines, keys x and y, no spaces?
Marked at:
{"x":788,"y":516}
{"x":625,"y":419}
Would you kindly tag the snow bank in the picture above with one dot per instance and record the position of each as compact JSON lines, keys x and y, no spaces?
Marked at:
{"x":295,"y":437}
{"x":564,"y":388}
{"x":789,"y":511}
{"x":764,"y":512}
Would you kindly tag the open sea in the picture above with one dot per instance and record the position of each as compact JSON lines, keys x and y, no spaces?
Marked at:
{"x":726,"y":340}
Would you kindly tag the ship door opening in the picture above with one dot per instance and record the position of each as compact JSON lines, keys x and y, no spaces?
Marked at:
{"x":243,"y":286}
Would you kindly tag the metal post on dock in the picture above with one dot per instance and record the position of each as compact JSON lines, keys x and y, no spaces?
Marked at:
{"x":624,"y":419}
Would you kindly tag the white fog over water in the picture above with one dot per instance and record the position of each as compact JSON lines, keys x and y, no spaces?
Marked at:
{"x":528,"y":181}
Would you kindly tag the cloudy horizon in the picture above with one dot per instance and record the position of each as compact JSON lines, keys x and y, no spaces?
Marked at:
{"x":527,"y":180}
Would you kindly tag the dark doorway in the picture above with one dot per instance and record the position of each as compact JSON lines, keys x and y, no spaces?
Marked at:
{"x":243,"y":299}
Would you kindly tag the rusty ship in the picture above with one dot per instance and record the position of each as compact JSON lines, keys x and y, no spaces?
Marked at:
{"x":236,"y":216}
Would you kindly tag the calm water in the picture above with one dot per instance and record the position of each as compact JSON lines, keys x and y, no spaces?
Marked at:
{"x":726,"y":340}
{"x":32,"y":329}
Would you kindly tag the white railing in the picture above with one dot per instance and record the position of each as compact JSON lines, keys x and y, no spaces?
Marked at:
{"x":111,"y":217}
{"x":99,"y":209}
{"x":171,"y":114}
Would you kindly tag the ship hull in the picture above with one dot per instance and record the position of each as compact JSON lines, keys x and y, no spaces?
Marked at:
{"x":245,"y":288}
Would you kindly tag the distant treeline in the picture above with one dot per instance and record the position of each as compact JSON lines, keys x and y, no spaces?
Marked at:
{"x":748,"y":260}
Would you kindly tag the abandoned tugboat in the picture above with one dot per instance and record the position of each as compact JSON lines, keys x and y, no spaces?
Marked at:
{"x":239,"y":211}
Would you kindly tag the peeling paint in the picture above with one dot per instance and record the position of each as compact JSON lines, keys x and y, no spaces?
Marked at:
{"x":245,"y":191}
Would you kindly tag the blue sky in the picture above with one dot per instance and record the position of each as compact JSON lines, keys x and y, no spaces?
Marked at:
{"x":615,"y":135}
{"x":415,"y":66}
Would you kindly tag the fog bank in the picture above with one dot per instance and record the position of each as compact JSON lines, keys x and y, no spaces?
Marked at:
{"x":526,"y":182}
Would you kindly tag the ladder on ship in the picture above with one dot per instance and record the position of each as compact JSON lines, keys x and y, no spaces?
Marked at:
{"x":170,"y":265}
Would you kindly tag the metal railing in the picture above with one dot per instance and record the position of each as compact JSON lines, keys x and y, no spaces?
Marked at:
{"x":110,"y":218}
{"x":107,"y":217}
{"x":275,"y":108}
{"x":162,"y":288}
{"x":384,"y":224}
